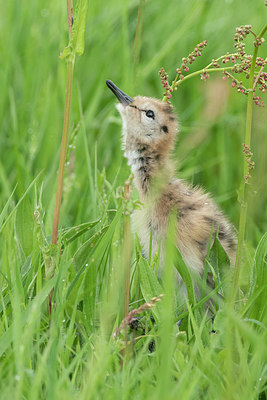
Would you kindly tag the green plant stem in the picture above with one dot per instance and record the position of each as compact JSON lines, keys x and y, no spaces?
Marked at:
{"x":201,"y":72}
{"x":127,"y":261}
{"x":137,"y":32}
{"x":176,"y":82}
{"x":243,"y":187}
{"x":63,"y":151}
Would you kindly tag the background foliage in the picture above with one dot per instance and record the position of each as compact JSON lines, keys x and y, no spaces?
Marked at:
{"x":42,"y":362}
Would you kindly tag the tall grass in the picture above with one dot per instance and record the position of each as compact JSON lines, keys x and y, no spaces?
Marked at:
{"x":78,"y":356}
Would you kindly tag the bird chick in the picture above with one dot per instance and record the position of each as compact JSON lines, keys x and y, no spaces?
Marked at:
{"x":148,"y":137}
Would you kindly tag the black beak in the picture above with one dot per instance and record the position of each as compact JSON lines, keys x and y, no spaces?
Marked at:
{"x":123,"y":98}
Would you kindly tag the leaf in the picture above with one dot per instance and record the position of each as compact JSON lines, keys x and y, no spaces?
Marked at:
{"x":82,"y":255}
{"x":66,"y":53}
{"x":76,"y":43}
{"x":89,"y":298}
{"x":4,"y":211}
{"x":70,"y":234}
{"x":259,"y":281}
{"x":100,"y":242}
{"x":183,"y":270}
{"x":218,"y":258}
{"x":150,"y":287}
{"x":87,"y":249}
{"x":24,"y":225}
{"x":106,"y":241}
{"x":78,"y":28}
{"x":27,"y":265}
{"x":92,"y":275}
{"x":259,"y":264}
{"x":201,"y":302}
{"x":28,"y":314}
{"x":219,"y":324}
{"x":219,"y":261}
{"x":17,"y":205}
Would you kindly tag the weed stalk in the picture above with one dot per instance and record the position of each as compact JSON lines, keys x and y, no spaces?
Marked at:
{"x":242,"y":63}
{"x":65,"y":131}
{"x":64,"y":146}
{"x":244,"y":183}
{"x":63,"y":151}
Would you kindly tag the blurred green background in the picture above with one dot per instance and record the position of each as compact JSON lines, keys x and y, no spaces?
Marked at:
{"x":211,"y":114}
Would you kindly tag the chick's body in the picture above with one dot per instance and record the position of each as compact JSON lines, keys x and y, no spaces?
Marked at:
{"x":149,"y":132}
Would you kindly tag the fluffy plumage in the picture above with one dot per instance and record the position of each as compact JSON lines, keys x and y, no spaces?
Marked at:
{"x":149,"y":132}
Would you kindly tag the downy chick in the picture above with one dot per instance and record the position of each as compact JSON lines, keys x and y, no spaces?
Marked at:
{"x":149,"y":132}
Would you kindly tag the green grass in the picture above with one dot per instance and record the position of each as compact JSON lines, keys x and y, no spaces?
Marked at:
{"x":75,"y":355}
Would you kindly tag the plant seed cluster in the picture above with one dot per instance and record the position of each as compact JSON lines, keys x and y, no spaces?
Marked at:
{"x":241,"y":65}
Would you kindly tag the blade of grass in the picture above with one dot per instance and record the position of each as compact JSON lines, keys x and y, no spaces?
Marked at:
{"x":18,"y":203}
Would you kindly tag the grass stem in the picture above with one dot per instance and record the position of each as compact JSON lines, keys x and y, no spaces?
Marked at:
{"x":138,"y":30}
{"x":127,"y":261}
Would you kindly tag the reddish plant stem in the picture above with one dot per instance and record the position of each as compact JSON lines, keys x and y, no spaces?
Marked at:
{"x":65,"y":133}
{"x":64,"y":147}
{"x":70,"y":15}
{"x":63,"y":151}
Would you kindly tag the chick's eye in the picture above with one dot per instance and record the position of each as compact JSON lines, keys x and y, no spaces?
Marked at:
{"x":150,"y":114}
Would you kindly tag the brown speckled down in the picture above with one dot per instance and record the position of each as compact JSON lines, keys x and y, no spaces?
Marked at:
{"x":148,"y":139}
